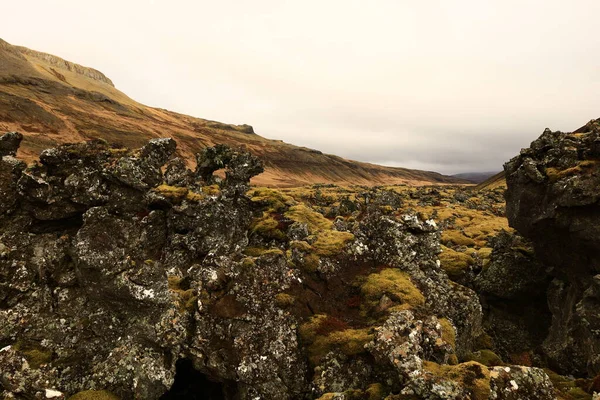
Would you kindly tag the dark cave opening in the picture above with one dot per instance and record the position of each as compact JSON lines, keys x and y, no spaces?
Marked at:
{"x":191,"y":384}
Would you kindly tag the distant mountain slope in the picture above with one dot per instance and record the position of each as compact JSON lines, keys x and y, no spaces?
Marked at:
{"x":493,"y":182}
{"x":475,"y":177}
{"x":53,"y":101}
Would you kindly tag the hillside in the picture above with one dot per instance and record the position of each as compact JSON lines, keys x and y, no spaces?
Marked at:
{"x":53,"y":101}
{"x":475,"y":177}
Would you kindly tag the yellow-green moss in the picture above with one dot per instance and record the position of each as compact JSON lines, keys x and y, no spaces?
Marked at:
{"x":484,"y":342}
{"x":555,"y":174}
{"x":300,"y":245}
{"x":37,"y":357}
{"x":211,"y":190}
{"x":393,"y":283}
{"x":329,"y":242}
{"x":448,"y":332}
{"x":305,"y":215}
{"x":171,"y":192}
{"x":176,"y":193}
{"x":471,"y":375}
{"x":186,"y":298}
{"x":273,"y":251}
{"x":283,"y":300}
{"x":457,"y":237}
{"x":376,"y":391}
{"x":275,"y":199}
{"x":567,"y":388}
{"x":194,"y":197}
{"x":310,"y":262}
{"x":35,"y":354}
{"x":485,"y":253}
{"x":349,"y":342}
{"x":248,"y":262}
{"x":455,"y":263}
{"x":94,"y":395}
{"x":485,"y":357}
{"x":308,"y":330}
{"x":267,"y":227}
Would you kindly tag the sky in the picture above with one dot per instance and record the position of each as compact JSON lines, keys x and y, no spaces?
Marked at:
{"x":450,"y":86}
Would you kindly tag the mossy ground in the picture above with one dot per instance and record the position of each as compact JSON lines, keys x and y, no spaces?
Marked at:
{"x":94,"y":395}
{"x":472,"y":375}
{"x":185,"y":297}
{"x":396,"y":285}
{"x":35,"y":354}
{"x":468,"y":219}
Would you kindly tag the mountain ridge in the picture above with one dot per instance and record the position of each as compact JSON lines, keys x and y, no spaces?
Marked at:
{"x":53,"y":101}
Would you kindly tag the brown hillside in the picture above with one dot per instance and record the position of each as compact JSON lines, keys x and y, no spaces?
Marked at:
{"x":53,"y":101}
{"x":493,"y":182}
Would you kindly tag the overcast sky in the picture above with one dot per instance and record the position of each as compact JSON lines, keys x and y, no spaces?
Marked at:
{"x":450,"y":86}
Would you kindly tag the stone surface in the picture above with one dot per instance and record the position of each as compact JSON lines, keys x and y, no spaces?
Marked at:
{"x":552,"y":199}
{"x":122,"y":271}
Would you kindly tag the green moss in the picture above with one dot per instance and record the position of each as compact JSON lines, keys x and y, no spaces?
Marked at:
{"x":305,"y":215}
{"x":484,"y":342}
{"x":471,"y":375}
{"x":485,"y":357}
{"x":35,"y":354}
{"x":310,"y":262}
{"x":185,"y":298}
{"x":455,"y":263}
{"x":300,"y":245}
{"x":350,"y":342}
{"x":94,"y":395}
{"x":36,"y":357}
{"x":283,"y":300}
{"x":177,"y":194}
{"x":555,"y":174}
{"x":448,"y":332}
{"x":261,"y":251}
{"x":567,"y":388}
{"x":273,"y":251}
{"x":248,"y":262}
{"x":274,"y":199}
{"x":329,"y":242}
{"x":211,"y":190}
{"x":457,"y":237}
{"x":268,"y":227}
{"x":393,"y":283}
{"x":376,"y":391}
{"x":171,"y":192}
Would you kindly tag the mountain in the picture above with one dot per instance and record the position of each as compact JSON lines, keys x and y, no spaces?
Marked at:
{"x":53,"y":101}
{"x":475,"y":177}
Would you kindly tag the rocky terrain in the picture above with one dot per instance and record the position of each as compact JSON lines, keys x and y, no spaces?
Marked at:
{"x":52,"y":101}
{"x":124,"y":274}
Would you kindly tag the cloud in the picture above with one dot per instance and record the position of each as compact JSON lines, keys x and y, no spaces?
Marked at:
{"x":447,"y":86}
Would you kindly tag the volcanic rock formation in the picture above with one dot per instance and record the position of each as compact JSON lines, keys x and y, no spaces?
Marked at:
{"x":552,"y":199}
{"x":123,"y":273}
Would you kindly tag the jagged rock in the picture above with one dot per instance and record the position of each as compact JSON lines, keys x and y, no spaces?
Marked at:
{"x":404,"y":343}
{"x":552,"y":199}
{"x":9,"y":143}
{"x":513,"y":270}
{"x":177,"y":174}
{"x":516,"y":383}
{"x":413,"y":246}
{"x":10,"y":171}
{"x":116,"y":277}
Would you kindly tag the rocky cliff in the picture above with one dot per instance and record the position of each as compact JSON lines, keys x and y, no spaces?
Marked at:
{"x":552,"y":199}
{"x":124,"y":274}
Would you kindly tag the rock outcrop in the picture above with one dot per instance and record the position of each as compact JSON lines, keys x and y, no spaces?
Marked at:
{"x":123,"y":273}
{"x":552,"y":199}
